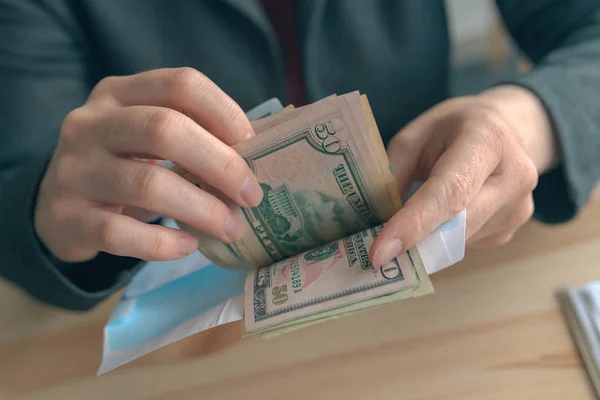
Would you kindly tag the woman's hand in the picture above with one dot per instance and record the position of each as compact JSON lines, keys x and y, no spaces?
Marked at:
{"x":99,"y":177}
{"x":483,"y":153}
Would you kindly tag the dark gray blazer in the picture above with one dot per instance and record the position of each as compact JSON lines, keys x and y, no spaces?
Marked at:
{"x":52,"y":52}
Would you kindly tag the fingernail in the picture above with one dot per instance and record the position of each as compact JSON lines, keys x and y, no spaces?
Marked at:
{"x":386,"y":252}
{"x":251,"y":192}
{"x":250,"y":135}
{"x":187,"y":245}
{"x":233,"y":228}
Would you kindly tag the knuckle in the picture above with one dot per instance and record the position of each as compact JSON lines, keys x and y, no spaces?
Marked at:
{"x":399,"y":140}
{"x":213,"y":212}
{"x":232,"y":110}
{"x":76,"y":253}
{"x":490,"y":118}
{"x":121,"y":180}
{"x":104,"y":86}
{"x":181,"y":79}
{"x":146,"y":182}
{"x":501,"y":239}
{"x":157,"y":245}
{"x":232,"y":164}
{"x":495,"y":127}
{"x":521,"y":215}
{"x":72,"y":126}
{"x":525,"y":174}
{"x":526,"y":211}
{"x":515,"y":220}
{"x":496,"y":240}
{"x":531,"y":176}
{"x":108,"y":235}
{"x":530,"y":208}
{"x":401,"y":145}
{"x":418,"y":227}
{"x":107,"y":82}
{"x":458,"y":192}
{"x":162,"y":125}
{"x":416,"y":223}
{"x":489,"y":125}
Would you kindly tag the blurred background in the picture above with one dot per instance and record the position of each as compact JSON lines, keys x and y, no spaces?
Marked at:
{"x":482,"y":51}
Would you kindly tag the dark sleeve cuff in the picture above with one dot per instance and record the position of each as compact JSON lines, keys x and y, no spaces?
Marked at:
{"x":570,"y":96}
{"x":25,"y":262}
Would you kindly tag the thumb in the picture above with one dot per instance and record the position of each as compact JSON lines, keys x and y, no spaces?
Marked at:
{"x":422,"y":213}
{"x":404,"y":155}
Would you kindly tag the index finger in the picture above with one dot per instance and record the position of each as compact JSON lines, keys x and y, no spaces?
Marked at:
{"x":185,"y":90}
{"x":455,"y":178}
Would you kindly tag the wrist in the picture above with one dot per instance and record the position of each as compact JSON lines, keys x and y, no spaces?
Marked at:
{"x":524,"y":112}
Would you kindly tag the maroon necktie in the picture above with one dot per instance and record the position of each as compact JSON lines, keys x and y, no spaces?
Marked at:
{"x":282,"y":18}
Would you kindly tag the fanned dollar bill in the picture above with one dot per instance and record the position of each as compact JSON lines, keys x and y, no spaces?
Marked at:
{"x":322,"y":179}
{"x":327,"y":187}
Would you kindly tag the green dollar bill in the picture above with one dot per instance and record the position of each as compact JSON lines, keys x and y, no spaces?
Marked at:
{"x":329,"y":281}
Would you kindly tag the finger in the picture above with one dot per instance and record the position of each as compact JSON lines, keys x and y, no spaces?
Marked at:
{"x":157,"y":189}
{"x":455,"y":178}
{"x":185,"y":90}
{"x":170,"y":135}
{"x":124,"y":236}
{"x":510,"y":191}
{"x":404,"y":152}
{"x":495,"y":240}
{"x":496,"y":192}
{"x":505,"y":222}
{"x":140,"y":214}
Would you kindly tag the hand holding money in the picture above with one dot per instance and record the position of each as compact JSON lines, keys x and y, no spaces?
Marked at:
{"x":324,"y":175}
{"x":328,"y":189}
{"x":100,"y":175}
{"x":326,"y":281}
{"x":479,"y":152}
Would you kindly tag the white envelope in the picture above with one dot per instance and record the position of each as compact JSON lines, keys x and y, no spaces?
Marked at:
{"x":168,"y":301}
{"x":445,"y":246}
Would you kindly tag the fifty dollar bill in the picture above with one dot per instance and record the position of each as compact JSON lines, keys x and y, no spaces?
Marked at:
{"x":326,"y":282}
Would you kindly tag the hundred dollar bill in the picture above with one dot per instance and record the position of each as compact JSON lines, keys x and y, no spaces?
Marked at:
{"x":328,"y":281}
{"x":324,"y":175}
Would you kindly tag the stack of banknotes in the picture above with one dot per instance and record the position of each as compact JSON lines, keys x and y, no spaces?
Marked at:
{"x":580,"y":306}
{"x":328,"y":190}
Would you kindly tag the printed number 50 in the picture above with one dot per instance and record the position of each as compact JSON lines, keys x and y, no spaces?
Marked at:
{"x":279,"y":295}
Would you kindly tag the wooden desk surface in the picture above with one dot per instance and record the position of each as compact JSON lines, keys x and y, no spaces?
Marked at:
{"x":491,"y":331}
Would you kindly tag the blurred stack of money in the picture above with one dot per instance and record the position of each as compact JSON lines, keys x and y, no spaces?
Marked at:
{"x":580,"y":306}
{"x":328,"y":188}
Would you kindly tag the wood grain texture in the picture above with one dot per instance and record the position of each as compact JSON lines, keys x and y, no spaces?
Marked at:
{"x":492,"y":330}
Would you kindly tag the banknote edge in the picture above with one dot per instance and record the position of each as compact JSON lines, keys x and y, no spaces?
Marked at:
{"x":422,"y":288}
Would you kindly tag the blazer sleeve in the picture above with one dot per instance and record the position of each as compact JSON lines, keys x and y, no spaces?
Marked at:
{"x":562,"y":39}
{"x":45,"y":71}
